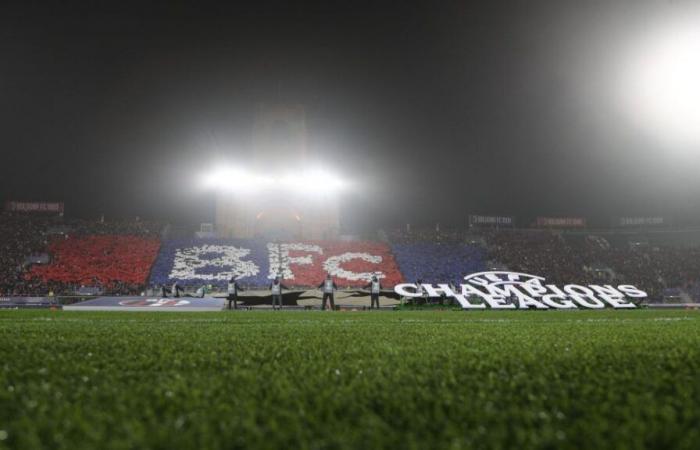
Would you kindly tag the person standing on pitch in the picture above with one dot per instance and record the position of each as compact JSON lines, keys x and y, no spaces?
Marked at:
{"x":175,"y":291}
{"x":232,"y":289}
{"x":276,"y":288}
{"x":421,"y":291}
{"x":374,"y":287}
{"x":329,"y":287}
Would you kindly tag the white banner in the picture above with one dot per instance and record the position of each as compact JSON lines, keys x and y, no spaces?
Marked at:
{"x":514,"y":290}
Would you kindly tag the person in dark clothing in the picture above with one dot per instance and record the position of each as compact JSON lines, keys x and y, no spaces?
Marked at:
{"x":375,"y":288}
{"x":276,"y":289}
{"x":176,"y":290}
{"x":328,"y":287}
{"x":232,"y":289}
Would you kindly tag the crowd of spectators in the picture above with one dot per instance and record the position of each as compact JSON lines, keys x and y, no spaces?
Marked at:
{"x":438,"y":263}
{"x":113,"y":263}
{"x":589,"y":258}
{"x":566,"y":257}
{"x":436,"y":235}
{"x":627,"y":263}
{"x":136,"y":227}
{"x":116,"y":257}
{"x":68,"y":246}
{"x":536,"y":252}
{"x":20,"y":236}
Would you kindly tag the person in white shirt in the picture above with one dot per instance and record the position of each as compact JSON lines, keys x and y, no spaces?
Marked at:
{"x":375,"y":288}
{"x":423,"y":294}
{"x":276,"y":289}
{"x":328,"y":288}
{"x":232,"y":289}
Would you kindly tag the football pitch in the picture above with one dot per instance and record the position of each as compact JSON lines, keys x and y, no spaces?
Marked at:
{"x":451,"y":379}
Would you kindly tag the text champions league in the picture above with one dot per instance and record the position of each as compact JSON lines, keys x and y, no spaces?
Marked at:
{"x":514,"y":290}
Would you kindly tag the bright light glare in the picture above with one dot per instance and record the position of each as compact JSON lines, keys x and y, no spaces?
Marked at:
{"x":313,"y":182}
{"x":236,"y":180}
{"x":662,"y":84}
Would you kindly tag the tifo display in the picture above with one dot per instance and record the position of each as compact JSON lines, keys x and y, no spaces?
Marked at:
{"x":49,"y":256}
{"x":255,"y":263}
{"x":99,"y":259}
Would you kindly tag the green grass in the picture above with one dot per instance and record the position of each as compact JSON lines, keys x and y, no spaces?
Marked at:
{"x":553,"y":379}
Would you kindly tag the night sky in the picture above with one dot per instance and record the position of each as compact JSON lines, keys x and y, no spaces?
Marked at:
{"x":435,"y":110}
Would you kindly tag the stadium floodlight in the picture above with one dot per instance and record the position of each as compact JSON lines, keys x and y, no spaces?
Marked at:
{"x":312,"y":183}
{"x":235,"y":179}
{"x":662,"y":82}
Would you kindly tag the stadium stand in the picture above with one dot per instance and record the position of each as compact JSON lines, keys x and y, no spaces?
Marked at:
{"x":422,"y":235}
{"x":536,"y":252}
{"x":192,"y":262}
{"x":50,"y":254}
{"x":638,"y":260}
{"x":20,"y":237}
{"x":41,"y":254}
{"x":114,"y":263}
{"x":664,"y":264}
{"x":438,"y":262}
